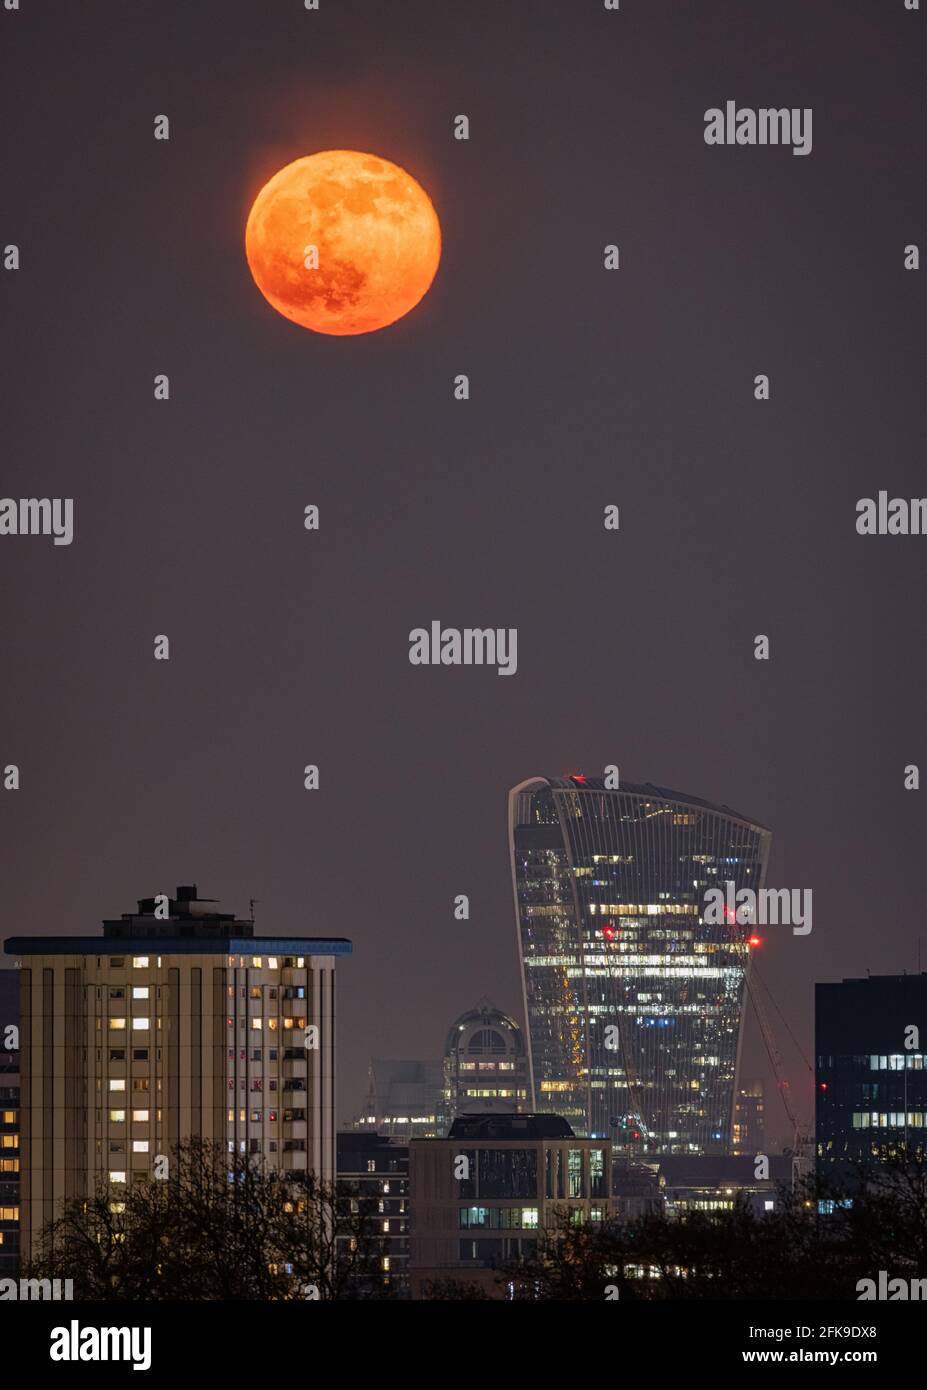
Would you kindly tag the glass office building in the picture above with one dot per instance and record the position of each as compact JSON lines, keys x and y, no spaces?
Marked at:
{"x":871,"y":1074}
{"x":634,"y":1003}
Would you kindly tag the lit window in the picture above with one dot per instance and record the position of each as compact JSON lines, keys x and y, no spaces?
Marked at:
{"x":139,"y":1146}
{"x":140,"y":1025}
{"x":117,"y":1084}
{"x":257,"y":1023}
{"x":256,"y":962}
{"x":117,"y":1117}
{"x":117,"y":1023}
{"x":140,"y":962}
{"x":139,"y":991}
{"x":116,"y":1176}
{"x":140,"y":1116}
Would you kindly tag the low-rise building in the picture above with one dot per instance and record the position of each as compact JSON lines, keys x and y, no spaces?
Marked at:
{"x":482,"y":1197}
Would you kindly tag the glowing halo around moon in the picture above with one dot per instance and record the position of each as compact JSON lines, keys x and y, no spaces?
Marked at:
{"x":343,"y":242}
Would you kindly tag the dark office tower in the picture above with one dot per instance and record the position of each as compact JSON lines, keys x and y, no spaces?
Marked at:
{"x":871,"y":1081}
{"x":375,"y":1169}
{"x":634,"y":1003}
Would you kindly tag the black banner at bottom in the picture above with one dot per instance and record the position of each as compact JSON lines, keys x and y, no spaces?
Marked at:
{"x":160,"y":1339}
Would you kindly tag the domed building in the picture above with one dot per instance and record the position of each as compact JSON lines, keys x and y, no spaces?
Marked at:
{"x":485,"y":1065}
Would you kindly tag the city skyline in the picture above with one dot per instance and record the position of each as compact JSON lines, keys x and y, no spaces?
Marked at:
{"x":780,"y":1123}
{"x":793,"y":1027}
{"x":179,"y":1025}
{"x":794,"y":1035}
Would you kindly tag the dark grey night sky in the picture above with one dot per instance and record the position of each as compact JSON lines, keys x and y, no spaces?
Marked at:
{"x":587,"y":388}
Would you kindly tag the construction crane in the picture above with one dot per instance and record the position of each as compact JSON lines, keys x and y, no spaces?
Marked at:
{"x":802,"y":1140}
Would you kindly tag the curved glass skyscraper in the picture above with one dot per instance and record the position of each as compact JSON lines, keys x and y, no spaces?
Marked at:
{"x":634,"y":1004}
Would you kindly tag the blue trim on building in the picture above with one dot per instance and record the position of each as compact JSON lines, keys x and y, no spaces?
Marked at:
{"x":177,"y":946}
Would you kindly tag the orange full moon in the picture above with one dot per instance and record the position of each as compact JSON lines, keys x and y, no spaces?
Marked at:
{"x":343,"y":242}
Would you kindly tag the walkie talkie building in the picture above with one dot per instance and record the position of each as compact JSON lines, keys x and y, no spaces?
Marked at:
{"x":634,"y":1004}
